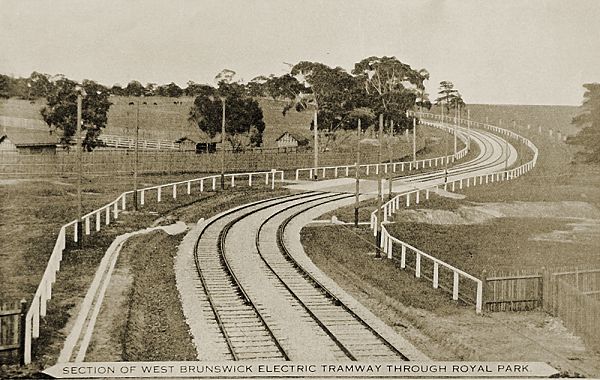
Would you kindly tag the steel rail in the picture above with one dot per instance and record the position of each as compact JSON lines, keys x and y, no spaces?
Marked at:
{"x":298,"y":266}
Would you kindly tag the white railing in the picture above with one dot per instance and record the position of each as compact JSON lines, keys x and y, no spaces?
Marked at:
{"x":104,"y":215}
{"x":346,"y":170}
{"x":387,"y":245}
{"x":129,"y":142}
{"x":405,"y":198}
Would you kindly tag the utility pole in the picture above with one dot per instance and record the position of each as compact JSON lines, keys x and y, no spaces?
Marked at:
{"x":414,"y":139}
{"x":455,"y":130}
{"x":223,"y":145}
{"x":390,"y":176}
{"x":316,"y":133}
{"x":79,"y":164}
{"x":468,"y":129}
{"x":379,"y":191}
{"x":356,"y":200}
{"x":136,"y":160}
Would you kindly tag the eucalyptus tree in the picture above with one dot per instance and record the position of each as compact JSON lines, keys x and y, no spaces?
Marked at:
{"x":61,"y":110}
{"x":588,"y":121}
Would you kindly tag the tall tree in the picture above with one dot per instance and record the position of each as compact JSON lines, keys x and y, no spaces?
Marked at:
{"x":391,"y":87}
{"x":134,"y":88}
{"x":61,"y":110}
{"x":39,"y":85}
{"x":244,"y":123}
{"x":588,"y":121}
{"x":4,"y":86}
{"x":449,"y":96}
{"x":171,"y":90}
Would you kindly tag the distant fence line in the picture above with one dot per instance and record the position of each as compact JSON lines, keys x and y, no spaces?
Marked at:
{"x":165,"y":162}
{"x":472,"y":291}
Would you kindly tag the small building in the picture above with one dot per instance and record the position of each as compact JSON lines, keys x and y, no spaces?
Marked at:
{"x":27,"y":141}
{"x":291,"y":140}
{"x":198,"y":141}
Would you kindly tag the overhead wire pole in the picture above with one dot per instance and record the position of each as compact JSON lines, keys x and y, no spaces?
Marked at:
{"x":223,"y":145}
{"x":468,"y":130}
{"x":390,"y":175}
{"x":137,"y":157}
{"x":316,"y":134}
{"x":414,"y":145}
{"x":455,"y":131}
{"x":379,"y":191}
{"x":357,"y":175}
{"x":79,"y":165}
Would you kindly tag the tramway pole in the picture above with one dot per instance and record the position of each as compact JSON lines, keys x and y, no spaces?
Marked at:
{"x":379,"y":191}
{"x":357,"y":176}
{"x":390,"y":175}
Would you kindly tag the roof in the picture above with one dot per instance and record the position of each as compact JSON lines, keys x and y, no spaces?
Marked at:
{"x":296,"y":136}
{"x":198,"y":136}
{"x":28,"y":137}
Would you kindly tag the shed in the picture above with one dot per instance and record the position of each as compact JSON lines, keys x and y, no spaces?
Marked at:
{"x":27,"y":141}
{"x":198,"y":141}
{"x":291,"y":140}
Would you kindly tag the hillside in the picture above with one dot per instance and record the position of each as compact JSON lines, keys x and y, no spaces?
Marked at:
{"x":166,"y":118}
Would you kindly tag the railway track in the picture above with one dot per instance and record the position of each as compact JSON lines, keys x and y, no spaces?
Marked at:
{"x":488,"y":159}
{"x":265,"y":305}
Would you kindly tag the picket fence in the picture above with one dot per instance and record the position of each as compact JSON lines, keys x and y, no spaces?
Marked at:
{"x":347,"y":170}
{"x":104,"y":215}
{"x":127,"y":142}
{"x":388,"y":208}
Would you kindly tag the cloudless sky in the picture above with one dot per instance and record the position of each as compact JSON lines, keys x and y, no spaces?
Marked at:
{"x":508,"y":51}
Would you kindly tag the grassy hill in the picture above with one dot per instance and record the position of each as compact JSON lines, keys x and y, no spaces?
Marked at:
{"x":167,"y":118}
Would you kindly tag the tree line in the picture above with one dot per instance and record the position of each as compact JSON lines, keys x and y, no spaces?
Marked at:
{"x":375,"y":86}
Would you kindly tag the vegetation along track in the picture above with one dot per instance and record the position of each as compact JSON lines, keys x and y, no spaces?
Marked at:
{"x":266,"y":306}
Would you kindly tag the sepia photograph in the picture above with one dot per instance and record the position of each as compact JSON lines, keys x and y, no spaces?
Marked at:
{"x":299,"y":189}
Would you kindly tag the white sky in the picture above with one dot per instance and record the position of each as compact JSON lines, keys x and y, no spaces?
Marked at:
{"x":508,"y":51}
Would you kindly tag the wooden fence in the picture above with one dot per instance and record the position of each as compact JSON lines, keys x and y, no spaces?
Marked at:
{"x":153,"y":162}
{"x":513,"y":290}
{"x":12,"y":332}
{"x":573,"y":295}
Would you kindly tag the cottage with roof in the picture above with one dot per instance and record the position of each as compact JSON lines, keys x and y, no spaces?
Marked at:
{"x":291,"y":140}
{"x":27,"y":141}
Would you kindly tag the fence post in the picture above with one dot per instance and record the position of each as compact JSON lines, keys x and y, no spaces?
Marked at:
{"x":484,"y":290}
{"x":189,"y":187}
{"x":455,"y":287}
{"x":418,"y":265}
{"x":403,"y":257}
{"x":273,"y":178}
{"x":22,"y":328}
{"x":435,"y":275}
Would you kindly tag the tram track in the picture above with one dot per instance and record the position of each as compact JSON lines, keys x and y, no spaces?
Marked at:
{"x":267,"y":306}
{"x":250,"y":328}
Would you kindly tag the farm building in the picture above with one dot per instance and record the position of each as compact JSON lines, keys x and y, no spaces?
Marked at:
{"x":291,"y":140}
{"x":27,"y":141}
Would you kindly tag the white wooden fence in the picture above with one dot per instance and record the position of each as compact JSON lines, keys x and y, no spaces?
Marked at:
{"x":126,"y":142}
{"x":387,"y":245}
{"x":391,"y":206}
{"x":401,"y":166}
{"x":104,"y":215}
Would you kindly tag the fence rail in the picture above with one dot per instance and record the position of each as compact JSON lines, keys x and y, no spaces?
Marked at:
{"x":388,"y":208}
{"x":102,"y":162}
{"x":347,"y":169}
{"x":437,"y":269}
{"x":129,"y":142}
{"x":103,"y":216}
